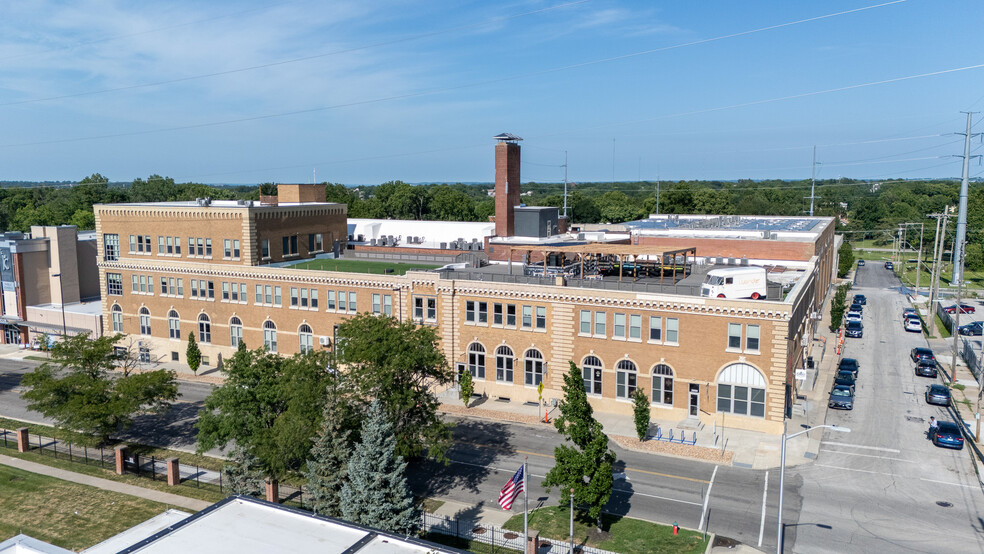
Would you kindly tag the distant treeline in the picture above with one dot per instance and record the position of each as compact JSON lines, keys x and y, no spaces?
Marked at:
{"x":864,"y":209}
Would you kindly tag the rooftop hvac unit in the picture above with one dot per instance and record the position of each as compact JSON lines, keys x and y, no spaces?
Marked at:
{"x":324,"y":341}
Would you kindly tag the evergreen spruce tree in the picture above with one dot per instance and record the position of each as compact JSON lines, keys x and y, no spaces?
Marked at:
{"x":327,"y":469}
{"x":465,"y":386}
{"x":243,"y":474}
{"x":376,"y":493}
{"x":641,"y":412}
{"x":586,"y":466}
{"x":193,"y":354}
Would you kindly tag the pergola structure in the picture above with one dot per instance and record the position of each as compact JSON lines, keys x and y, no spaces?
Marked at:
{"x":594,"y":258}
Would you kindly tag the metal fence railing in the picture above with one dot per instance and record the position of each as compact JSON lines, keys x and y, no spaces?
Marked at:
{"x":497,"y":537}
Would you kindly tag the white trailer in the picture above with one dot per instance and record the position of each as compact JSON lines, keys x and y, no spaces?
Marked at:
{"x":735,"y":282}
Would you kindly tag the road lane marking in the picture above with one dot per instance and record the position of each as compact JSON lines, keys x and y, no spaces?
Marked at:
{"x":869,"y":456}
{"x":765,"y":492}
{"x":614,"y":489}
{"x":861,"y":470}
{"x":707,"y":497}
{"x":896,"y":451}
{"x":655,"y":473}
{"x":949,"y":483}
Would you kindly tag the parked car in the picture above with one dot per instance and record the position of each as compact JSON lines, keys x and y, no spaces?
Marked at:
{"x":860,"y":262}
{"x":974,"y":329}
{"x":922,"y":353}
{"x":964,"y":309}
{"x":912,"y":324}
{"x":852,"y":316}
{"x":938,"y":394}
{"x":926,"y":369}
{"x":860,"y":299}
{"x":948,"y":435}
{"x":854,"y":329}
{"x":845,"y":377}
{"x":841,"y":397}
{"x":889,"y":265}
{"x":849,"y":364}
{"x":856,"y":307}
{"x":906,"y":312}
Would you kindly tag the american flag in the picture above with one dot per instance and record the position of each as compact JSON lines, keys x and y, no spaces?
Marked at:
{"x":512,"y":489}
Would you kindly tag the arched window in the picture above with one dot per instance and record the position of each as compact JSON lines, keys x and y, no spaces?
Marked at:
{"x":504,"y":364}
{"x":270,"y":335}
{"x":235,"y":331}
{"x":476,"y":360}
{"x":534,"y":367}
{"x":117,"y":314}
{"x":144,"y":321}
{"x":625,"y":379}
{"x":204,"y":329}
{"x":741,"y":390}
{"x":591,"y":372}
{"x":173,"y":325}
{"x":305,"y":338}
{"x":662,"y":385}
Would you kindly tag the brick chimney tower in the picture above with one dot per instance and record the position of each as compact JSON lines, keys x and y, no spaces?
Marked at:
{"x":506,"y":182}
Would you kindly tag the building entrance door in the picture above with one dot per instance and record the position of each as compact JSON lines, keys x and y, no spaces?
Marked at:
{"x":694,"y":398}
{"x":11,"y":334}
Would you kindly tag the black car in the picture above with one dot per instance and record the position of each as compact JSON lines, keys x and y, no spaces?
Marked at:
{"x":860,"y":262}
{"x":844,"y":378}
{"x":925,"y":368}
{"x":938,"y":394}
{"x":948,"y":435}
{"x":854,"y":329}
{"x":974,"y":329}
{"x":848,"y":364}
{"x":860,"y":299}
{"x":889,"y":265}
{"x":922,"y":353}
{"x":841,"y":397}
{"x":856,"y":307}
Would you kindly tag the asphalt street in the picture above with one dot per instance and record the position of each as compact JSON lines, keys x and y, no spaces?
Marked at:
{"x":884,"y":487}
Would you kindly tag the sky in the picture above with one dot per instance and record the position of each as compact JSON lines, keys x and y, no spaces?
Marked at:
{"x":368,"y":91}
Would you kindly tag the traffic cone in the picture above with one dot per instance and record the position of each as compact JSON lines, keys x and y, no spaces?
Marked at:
{"x":546,"y":417}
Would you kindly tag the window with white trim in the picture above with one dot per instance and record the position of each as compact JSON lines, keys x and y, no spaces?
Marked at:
{"x":117,"y":316}
{"x":625,"y":379}
{"x":270,"y":335}
{"x":534,"y":367}
{"x":741,"y":390}
{"x":635,"y":327}
{"x":655,"y":328}
{"x":476,"y":360}
{"x":305,"y":339}
{"x":672,"y":330}
{"x":235,"y":331}
{"x":541,"y":318}
{"x":662,"y":393}
{"x":144,"y":321}
{"x":734,"y":336}
{"x":600,"y":323}
{"x":591,"y":371}
{"x":504,"y":364}
{"x":173,"y":325}
{"x":111,"y":247}
{"x":585,"y":328}
{"x":618,"y":327}
{"x":114,"y":284}
{"x":752,"y":338}
{"x":204,"y":329}
{"x":527,"y":317}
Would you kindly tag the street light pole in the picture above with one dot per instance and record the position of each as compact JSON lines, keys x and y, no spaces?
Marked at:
{"x":782,"y":470}
{"x":61,"y":299}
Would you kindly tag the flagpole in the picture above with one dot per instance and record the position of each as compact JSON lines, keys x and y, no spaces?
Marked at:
{"x":526,"y":508}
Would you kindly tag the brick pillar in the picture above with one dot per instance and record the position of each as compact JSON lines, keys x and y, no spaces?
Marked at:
{"x":272,"y":491}
{"x":173,"y":474}
{"x":533,"y":541}
{"x":121,"y":453}
{"x":23,"y":442}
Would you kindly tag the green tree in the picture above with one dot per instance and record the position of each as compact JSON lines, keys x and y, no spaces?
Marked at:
{"x":641,"y":413}
{"x":585,"y":466}
{"x":449,"y":204}
{"x":78,"y":390}
{"x":376,"y":493}
{"x":193,"y":354}
{"x":243,"y":474}
{"x":398,"y":364}
{"x":269,"y":405}
{"x":465,"y":387}
{"x":327,"y":469}
{"x":846,"y":259}
{"x":837,"y":307}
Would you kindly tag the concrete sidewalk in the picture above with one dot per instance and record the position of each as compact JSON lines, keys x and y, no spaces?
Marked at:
{"x":106,"y":484}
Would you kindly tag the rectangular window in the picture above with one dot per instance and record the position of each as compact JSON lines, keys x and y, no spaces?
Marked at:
{"x":734,"y":336}
{"x":375,"y":304}
{"x":541,"y":318}
{"x":114,"y":284}
{"x":635,"y":327}
{"x":134,"y":283}
{"x":388,"y":304}
{"x":510,"y":315}
{"x":672,"y":330}
{"x":160,"y":245}
{"x":330,"y":301}
{"x":143,"y":283}
{"x":752,"y":338}
{"x":225,"y":291}
{"x":655,"y":328}
{"x":150,"y":284}
{"x":111,"y":247}
{"x":342,"y":303}
{"x":164,"y":288}
{"x":470,"y":311}
{"x":352,"y":305}
{"x":180,"y":287}
{"x":211,"y":290}
{"x":170,"y":245}
{"x":258,"y":294}
{"x":290,"y":246}
{"x":276,"y":296}
{"x":191,"y":246}
{"x":201,"y":246}
{"x":432,"y":309}
{"x":208,"y":248}
{"x":618,"y":327}
{"x":527,"y":317}
{"x":294,"y":298}
{"x":242,"y":293}
{"x":600,"y":322}
{"x":194,"y":288}
{"x":133,"y":243}
{"x":177,"y":245}
{"x":497,"y":314}
{"x":319,"y":242}
{"x":585,"y":322}
{"x":418,"y":307}
{"x":304,"y":298}
{"x":147,"y":244}
{"x":227,"y":248}
{"x":265,"y":248}
{"x":267,"y":294}
{"x":171,"y":288}
{"x":235,"y":248}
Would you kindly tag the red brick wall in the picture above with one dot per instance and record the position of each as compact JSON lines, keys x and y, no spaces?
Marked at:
{"x":731,"y":248}
{"x":506,"y":171}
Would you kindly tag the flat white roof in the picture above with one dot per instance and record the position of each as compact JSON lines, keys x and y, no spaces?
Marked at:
{"x":430,"y":233}
{"x":23,"y":544}
{"x":138,"y":533}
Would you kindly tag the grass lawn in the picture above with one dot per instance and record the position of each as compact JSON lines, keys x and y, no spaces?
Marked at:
{"x":465,"y":544}
{"x":621,"y":534}
{"x":362,"y":266}
{"x":66,"y":514}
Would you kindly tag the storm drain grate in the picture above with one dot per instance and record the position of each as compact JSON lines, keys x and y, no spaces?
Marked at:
{"x":943,"y":504}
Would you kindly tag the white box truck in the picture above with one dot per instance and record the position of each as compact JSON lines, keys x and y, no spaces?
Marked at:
{"x":735,"y":282}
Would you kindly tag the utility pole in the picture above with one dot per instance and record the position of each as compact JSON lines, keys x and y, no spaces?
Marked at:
{"x":956,"y":321}
{"x":813,"y":181}
{"x":934,"y":280}
{"x":958,"y":243}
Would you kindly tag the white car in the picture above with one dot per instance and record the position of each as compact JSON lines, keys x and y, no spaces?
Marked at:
{"x":853,"y":316}
{"x":913,"y":324}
